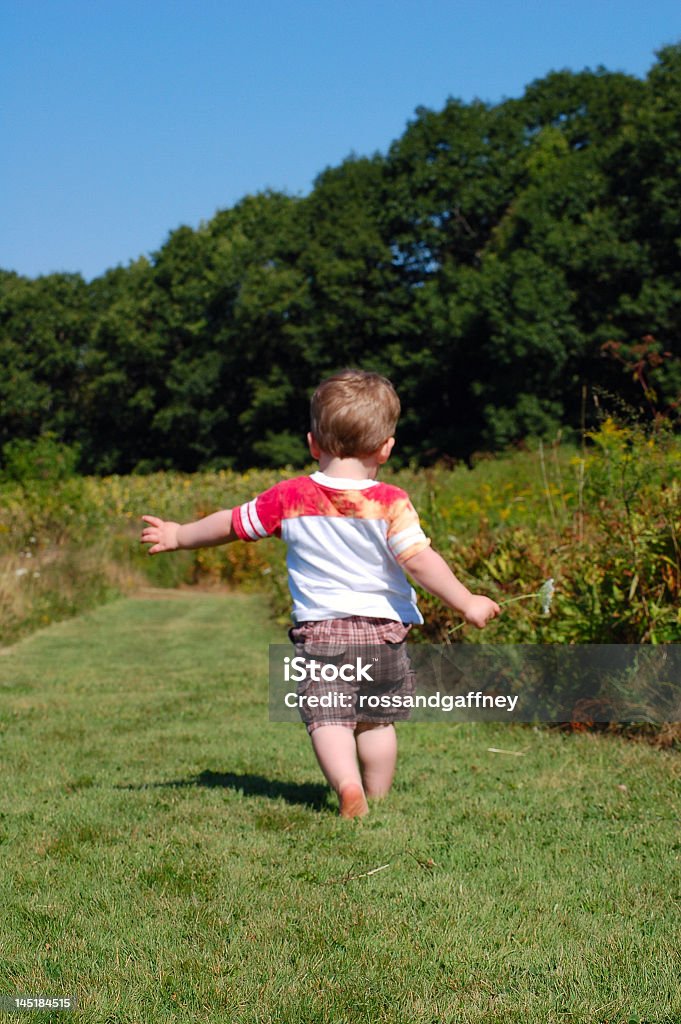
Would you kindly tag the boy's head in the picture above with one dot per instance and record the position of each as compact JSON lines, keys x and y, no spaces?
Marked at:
{"x":353,"y":413}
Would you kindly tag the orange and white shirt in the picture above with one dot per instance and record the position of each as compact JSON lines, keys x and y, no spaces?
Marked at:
{"x":346,"y":543}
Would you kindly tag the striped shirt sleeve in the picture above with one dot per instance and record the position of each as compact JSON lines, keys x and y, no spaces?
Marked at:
{"x":260,"y":517}
{"x":405,"y":535}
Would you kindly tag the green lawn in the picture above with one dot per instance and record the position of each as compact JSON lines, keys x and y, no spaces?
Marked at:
{"x":169,"y":855}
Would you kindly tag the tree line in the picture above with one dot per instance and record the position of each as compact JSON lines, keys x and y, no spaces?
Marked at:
{"x":497,"y":261}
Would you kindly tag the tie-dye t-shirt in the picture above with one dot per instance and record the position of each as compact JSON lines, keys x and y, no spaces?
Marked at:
{"x":346,"y":542}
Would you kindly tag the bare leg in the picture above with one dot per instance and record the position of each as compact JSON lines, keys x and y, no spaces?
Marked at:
{"x":336,"y":752}
{"x":377,"y":753}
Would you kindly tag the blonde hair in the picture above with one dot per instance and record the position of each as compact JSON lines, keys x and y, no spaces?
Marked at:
{"x":353,"y":413}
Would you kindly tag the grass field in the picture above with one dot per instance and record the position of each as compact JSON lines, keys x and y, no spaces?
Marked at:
{"x":170,"y":855}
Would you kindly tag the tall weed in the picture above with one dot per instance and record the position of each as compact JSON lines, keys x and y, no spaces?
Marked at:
{"x":603,"y":522}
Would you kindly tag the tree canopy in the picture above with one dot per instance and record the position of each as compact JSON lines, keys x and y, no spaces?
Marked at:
{"x":496,"y":261}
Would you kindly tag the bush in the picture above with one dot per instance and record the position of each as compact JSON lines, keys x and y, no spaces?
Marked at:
{"x":604,"y":522}
{"x":44,"y":459}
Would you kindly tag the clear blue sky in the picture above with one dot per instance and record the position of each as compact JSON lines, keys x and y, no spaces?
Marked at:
{"x":122,"y":119}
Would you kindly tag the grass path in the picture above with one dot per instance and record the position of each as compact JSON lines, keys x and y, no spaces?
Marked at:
{"x":169,"y":855}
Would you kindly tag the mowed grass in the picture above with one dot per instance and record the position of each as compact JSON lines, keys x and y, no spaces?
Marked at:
{"x":170,"y":855}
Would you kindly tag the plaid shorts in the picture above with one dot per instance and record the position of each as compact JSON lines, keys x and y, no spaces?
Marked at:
{"x":351,"y":663}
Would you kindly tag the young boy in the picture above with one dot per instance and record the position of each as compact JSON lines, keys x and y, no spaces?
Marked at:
{"x":350,"y":541}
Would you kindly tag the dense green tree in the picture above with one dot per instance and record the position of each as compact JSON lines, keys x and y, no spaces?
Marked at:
{"x":44,"y":329}
{"x":124,"y":371}
{"x":495,"y":262}
{"x":256,"y":317}
{"x":513,"y":320}
{"x":645,"y":196}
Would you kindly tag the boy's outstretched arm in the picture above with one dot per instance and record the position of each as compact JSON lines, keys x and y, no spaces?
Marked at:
{"x":204,"y":533}
{"x":432,"y":572}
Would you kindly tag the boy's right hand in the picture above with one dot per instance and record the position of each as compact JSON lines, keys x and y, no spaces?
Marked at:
{"x":161,"y":533}
{"x":480,"y":610}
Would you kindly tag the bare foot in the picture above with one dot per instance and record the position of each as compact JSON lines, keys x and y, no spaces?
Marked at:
{"x":353,"y":803}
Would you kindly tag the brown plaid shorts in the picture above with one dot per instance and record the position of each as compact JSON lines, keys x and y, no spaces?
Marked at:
{"x":331,"y":646}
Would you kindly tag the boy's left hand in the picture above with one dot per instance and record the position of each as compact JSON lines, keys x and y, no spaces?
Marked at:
{"x":161,"y":533}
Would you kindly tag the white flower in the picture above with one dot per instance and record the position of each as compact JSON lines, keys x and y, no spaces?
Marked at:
{"x":545,"y":595}
{"x":20,"y":572}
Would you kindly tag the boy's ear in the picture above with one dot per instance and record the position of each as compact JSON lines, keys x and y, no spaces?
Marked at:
{"x":315,"y":450}
{"x":383,"y":453}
